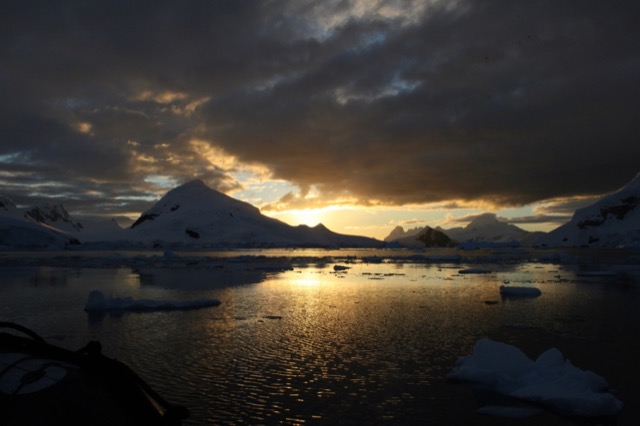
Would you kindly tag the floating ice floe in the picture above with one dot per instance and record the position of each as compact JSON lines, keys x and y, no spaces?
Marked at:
{"x":98,"y":302}
{"x":340,"y":268}
{"x":550,"y":381}
{"x":514,"y":291}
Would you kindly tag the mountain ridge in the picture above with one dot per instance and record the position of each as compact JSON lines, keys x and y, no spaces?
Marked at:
{"x":612,"y":221}
{"x":483,"y":230}
{"x":195,"y":215}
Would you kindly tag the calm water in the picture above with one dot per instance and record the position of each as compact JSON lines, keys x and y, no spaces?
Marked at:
{"x":368,"y":345}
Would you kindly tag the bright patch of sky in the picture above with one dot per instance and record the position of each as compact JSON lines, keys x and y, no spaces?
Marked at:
{"x":9,"y":158}
{"x":395,"y":87}
{"x":321,"y":19}
{"x":16,"y":157}
{"x":162,"y":182}
{"x":378,"y":222}
{"x":259,"y":191}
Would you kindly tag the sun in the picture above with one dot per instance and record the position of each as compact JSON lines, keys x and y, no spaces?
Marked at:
{"x":309,"y":217}
{"x":295,"y":217}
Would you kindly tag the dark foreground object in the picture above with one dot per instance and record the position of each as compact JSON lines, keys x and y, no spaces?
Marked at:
{"x":42,"y":384}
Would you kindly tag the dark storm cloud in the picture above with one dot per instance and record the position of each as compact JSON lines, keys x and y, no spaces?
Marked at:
{"x":507,"y":102}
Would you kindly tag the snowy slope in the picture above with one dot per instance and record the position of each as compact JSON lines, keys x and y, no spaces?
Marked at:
{"x":56,"y":216}
{"x":46,"y":226}
{"x":613,"y":221}
{"x":487,"y":228}
{"x":18,"y":233}
{"x":195,"y":215}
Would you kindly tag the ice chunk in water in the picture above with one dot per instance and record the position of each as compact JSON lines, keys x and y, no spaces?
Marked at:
{"x":551,"y":380}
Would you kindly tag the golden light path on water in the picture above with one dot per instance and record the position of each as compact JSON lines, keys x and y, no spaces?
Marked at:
{"x":329,"y":340}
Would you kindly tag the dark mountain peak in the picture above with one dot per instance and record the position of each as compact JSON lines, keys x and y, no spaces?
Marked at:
{"x":51,"y":214}
{"x":434,"y":238}
{"x":6,"y":204}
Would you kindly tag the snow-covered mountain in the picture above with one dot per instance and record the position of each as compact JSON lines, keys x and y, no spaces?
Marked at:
{"x":487,"y":228}
{"x":18,"y":231}
{"x":483,"y":230}
{"x":54,"y":215}
{"x":194,"y":215}
{"x":48,"y":226}
{"x":613,"y":221}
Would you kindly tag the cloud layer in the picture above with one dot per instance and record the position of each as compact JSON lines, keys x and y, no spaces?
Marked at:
{"x":385,"y":102}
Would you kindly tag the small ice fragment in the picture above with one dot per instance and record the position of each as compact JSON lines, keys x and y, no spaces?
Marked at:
{"x":514,"y":291}
{"x":474,"y":271}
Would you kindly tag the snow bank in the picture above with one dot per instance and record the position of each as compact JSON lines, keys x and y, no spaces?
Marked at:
{"x":550,"y":381}
{"x":97,"y":302}
{"x":513,"y":291}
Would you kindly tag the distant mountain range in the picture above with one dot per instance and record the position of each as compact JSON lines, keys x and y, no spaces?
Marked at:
{"x":196,"y":216}
{"x":613,"y":221}
{"x":483,"y":231}
{"x":189,"y":216}
{"x":28,"y":229}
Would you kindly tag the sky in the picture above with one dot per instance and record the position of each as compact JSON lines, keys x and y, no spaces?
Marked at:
{"x":362,"y":115}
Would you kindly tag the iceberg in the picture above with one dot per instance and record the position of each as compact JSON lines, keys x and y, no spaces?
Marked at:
{"x":550,"y":381}
{"x":98,"y":302}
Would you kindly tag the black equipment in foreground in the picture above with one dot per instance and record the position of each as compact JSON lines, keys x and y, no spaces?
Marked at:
{"x":43,"y":384}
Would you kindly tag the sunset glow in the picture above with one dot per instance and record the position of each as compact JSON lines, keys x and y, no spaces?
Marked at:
{"x":360,"y":115}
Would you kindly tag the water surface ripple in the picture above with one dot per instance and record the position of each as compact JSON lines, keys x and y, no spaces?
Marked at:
{"x":368,"y":345}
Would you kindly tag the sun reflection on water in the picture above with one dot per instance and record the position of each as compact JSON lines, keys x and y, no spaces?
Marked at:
{"x":370,"y":344}
{"x":306,"y":279}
